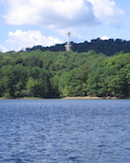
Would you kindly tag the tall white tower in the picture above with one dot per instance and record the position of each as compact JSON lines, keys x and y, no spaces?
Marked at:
{"x":68,"y":46}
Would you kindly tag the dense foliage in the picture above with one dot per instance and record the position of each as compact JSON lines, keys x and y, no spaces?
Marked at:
{"x":58,"y":74}
{"x":107,"y":47}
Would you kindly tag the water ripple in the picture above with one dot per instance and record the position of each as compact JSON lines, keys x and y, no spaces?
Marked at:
{"x":64,"y":131}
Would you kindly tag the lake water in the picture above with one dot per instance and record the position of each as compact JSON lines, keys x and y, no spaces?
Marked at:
{"x":64,"y":131}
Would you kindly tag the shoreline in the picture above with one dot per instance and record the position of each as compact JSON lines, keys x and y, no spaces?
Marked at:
{"x":68,"y":98}
{"x":94,"y":97}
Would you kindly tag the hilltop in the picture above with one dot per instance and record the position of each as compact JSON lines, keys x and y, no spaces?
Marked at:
{"x":107,"y":47}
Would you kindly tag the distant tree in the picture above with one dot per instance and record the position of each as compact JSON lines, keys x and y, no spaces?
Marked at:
{"x":107,"y":47}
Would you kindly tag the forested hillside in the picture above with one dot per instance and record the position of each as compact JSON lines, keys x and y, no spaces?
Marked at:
{"x":107,"y":47}
{"x":59,"y":74}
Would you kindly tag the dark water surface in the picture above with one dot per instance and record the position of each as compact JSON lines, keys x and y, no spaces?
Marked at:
{"x":64,"y":131}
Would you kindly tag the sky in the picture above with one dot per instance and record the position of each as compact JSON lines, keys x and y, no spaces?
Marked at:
{"x":28,"y":23}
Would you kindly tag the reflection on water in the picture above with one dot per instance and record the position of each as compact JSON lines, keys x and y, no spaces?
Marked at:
{"x":65,"y":131}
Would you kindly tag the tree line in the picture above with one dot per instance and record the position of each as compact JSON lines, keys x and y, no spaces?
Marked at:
{"x":58,"y":74}
{"x":107,"y":47}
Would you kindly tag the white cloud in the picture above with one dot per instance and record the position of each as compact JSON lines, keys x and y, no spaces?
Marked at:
{"x":62,"y":13}
{"x":107,"y":11}
{"x":19,"y":39}
{"x":105,"y":38}
{"x":48,"y":12}
{"x":2,"y":48}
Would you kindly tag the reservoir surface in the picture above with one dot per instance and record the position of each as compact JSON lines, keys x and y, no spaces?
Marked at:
{"x":65,"y":131}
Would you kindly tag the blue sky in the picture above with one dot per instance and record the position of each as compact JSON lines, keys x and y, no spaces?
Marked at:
{"x":25,"y":23}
